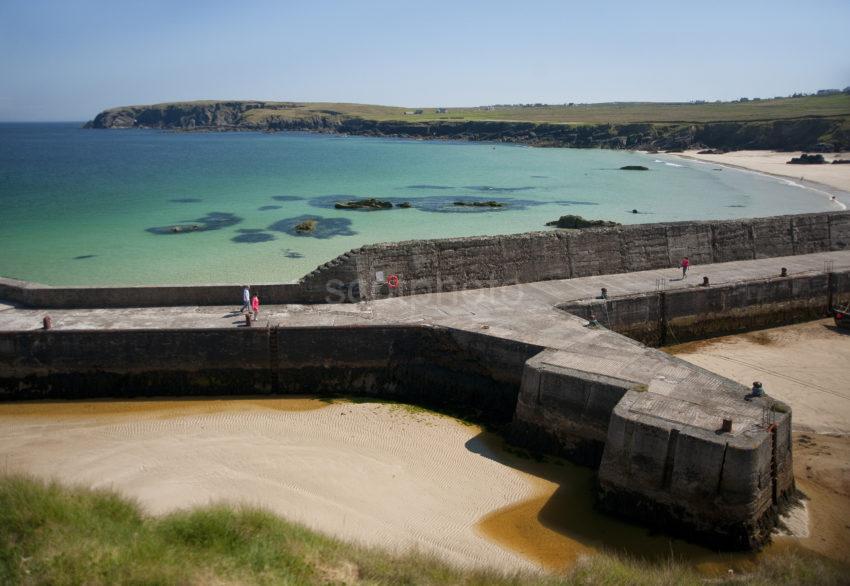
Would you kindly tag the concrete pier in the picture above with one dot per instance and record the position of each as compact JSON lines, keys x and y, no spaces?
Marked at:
{"x":653,"y":424}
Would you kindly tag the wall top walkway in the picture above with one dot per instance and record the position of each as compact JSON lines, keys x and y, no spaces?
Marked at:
{"x":523,"y":313}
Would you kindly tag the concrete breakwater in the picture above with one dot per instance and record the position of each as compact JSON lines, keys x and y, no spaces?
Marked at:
{"x":727,"y":496}
{"x":676,"y":446}
{"x":664,"y":317}
{"x":441,"y":368}
{"x":455,"y":264}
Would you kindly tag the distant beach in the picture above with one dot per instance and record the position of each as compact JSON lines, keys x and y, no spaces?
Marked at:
{"x":832,"y":179}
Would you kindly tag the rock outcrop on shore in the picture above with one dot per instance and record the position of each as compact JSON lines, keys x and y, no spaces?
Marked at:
{"x":808,"y":133}
{"x":571,"y":221}
{"x":807,"y":159}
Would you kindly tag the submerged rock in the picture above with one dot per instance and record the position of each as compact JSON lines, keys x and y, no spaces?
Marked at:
{"x":404,"y":204}
{"x":306,"y":226}
{"x":212,"y":221}
{"x":480,"y":204}
{"x":364,"y":204}
{"x":572,"y":221}
{"x":634,"y":168}
{"x":309,"y":226}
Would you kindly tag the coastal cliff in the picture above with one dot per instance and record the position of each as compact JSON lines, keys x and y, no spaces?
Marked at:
{"x":823,"y":133}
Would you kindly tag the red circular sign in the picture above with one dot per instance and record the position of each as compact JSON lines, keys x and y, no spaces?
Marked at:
{"x":392,"y":281}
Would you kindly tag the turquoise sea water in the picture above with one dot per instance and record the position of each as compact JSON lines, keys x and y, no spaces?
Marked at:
{"x":89,"y":207}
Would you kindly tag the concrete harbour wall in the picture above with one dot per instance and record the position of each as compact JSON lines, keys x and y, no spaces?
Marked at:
{"x":438,"y":367}
{"x":649,"y":422}
{"x":451,"y":264}
{"x":581,"y":415}
{"x":679,"y":315}
{"x":428,"y":266}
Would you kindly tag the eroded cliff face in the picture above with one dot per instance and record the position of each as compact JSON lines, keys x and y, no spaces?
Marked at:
{"x":824,"y":134}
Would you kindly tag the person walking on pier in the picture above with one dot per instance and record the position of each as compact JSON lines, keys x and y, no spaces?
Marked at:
{"x":246,"y":299}
{"x":685,"y":264}
{"x":255,"y":306}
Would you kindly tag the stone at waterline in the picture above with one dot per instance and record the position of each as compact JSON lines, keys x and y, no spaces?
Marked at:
{"x":572,"y":221}
{"x":404,"y":204}
{"x":364,"y":204}
{"x":634,"y":168}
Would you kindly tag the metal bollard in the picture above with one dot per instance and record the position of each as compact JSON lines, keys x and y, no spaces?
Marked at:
{"x":604,"y":294}
{"x":248,"y":320}
{"x":784,"y":272}
{"x":47,"y":322}
{"x":727,"y":426}
{"x":705,"y":281}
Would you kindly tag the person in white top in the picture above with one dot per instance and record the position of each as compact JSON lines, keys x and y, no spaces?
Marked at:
{"x":246,"y":299}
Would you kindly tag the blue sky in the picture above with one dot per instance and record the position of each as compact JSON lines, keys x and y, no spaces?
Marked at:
{"x":67,"y":60}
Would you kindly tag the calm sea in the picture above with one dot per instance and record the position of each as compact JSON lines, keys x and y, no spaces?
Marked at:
{"x":87,"y":207}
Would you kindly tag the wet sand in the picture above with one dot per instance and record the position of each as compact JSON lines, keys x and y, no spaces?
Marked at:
{"x":373,"y":473}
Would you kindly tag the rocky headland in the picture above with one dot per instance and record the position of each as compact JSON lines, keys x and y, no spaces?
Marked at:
{"x":815,"y":133}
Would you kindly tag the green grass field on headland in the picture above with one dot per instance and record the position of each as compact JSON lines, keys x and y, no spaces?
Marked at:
{"x":613,"y":112}
{"x":50,"y":534}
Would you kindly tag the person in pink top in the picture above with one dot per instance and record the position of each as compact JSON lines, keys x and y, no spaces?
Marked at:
{"x":255,"y":305}
{"x":685,"y":264}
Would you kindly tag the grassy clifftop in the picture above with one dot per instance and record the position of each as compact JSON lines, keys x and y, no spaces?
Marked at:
{"x":604,"y":113}
{"x":55,"y":535}
{"x":821,"y":122}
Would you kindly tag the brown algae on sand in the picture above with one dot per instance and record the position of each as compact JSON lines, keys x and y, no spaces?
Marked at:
{"x":157,"y":407}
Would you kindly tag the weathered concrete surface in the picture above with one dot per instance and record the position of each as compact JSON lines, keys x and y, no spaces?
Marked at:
{"x":488,"y":261}
{"x":452,"y":264}
{"x":679,"y":315}
{"x":588,"y":393}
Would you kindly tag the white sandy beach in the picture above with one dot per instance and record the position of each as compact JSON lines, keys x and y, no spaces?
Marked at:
{"x":776,"y":163}
{"x":369,"y":473}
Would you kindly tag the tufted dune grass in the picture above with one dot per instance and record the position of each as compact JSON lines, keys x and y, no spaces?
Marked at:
{"x":52,"y":534}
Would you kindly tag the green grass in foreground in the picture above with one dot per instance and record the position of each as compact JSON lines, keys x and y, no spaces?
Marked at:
{"x":51,"y":534}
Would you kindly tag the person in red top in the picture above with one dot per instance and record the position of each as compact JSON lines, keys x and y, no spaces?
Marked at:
{"x":255,"y":306}
{"x":685,"y":264}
